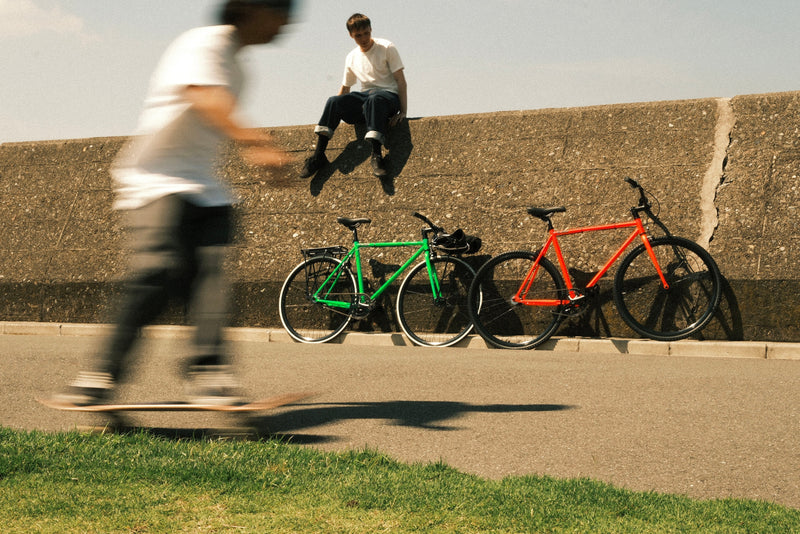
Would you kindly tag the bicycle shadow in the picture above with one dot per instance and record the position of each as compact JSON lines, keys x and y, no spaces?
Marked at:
{"x":727,"y":322}
{"x":383,"y":317}
{"x":593,"y":321}
{"x":359,"y":151}
{"x":600,"y":318}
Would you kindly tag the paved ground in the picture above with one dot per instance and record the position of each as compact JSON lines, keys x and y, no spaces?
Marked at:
{"x":704,"y":427}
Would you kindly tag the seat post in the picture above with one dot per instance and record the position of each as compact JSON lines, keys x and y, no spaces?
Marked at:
{"x":353,"y":224}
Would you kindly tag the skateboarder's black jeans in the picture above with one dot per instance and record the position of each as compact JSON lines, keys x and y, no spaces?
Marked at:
{"x":179,"y":250}
{"x":375,"y":107}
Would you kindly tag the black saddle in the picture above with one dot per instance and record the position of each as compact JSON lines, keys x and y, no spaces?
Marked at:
{"x":352,"y":224}
{"x":545,"y":213}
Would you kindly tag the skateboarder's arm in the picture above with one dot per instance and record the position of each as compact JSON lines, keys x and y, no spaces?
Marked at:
{"x":216,"y":105}
{"x":343,"y":90}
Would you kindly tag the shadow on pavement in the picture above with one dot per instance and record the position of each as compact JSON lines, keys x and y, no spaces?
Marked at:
{"x":289,"y":425}
{"x":430,"y":415}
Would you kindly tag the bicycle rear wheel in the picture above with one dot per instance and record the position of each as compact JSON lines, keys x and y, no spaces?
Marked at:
{"x":695,"y":289}
{"x":428,"y":321}
{"x":507,"y":324}
{"x":304,"y":319}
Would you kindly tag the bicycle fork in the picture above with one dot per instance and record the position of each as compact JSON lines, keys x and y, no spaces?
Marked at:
{"x":433,"y":276}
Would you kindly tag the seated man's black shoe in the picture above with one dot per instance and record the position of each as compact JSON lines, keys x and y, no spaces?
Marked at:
{"x":378,"y":166}
{"x":313,"y":164}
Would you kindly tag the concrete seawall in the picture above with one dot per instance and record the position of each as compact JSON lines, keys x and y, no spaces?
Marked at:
{"x":723,"y":170}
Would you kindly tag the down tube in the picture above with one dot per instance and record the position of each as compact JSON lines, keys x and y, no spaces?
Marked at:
{"x":399,"y":271}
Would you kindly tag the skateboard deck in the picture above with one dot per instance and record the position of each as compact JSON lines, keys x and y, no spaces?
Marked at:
{"x":255,"y":406}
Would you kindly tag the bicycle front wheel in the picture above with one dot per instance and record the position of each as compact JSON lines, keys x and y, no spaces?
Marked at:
{"x":436,"y":322}
{"x":505,"y":323}
{"x":306,"y":319}
{"x":695,"y":289}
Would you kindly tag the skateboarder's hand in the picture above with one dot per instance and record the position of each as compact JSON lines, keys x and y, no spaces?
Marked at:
{"x":267,"y":156}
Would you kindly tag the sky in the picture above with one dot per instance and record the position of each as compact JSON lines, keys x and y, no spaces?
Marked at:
{"x":80,"y":68}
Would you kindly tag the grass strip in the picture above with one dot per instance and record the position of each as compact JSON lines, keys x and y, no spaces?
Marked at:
{"x":75,"y":482}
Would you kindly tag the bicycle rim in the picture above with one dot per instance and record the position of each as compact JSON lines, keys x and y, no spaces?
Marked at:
{"x":427,"y":321}
{"x":308,"y":321}
{"x":500,"y":320}
{"x":695,"y":289}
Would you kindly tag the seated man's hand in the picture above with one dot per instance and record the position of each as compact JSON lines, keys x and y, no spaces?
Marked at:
{"x":397,"y":119}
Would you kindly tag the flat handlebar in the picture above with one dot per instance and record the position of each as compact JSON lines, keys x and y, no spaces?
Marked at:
{"x":433,"y":228}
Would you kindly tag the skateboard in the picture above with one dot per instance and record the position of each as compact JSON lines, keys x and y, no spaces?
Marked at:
{"x":255,"y":406}
{"x":118,"y":422}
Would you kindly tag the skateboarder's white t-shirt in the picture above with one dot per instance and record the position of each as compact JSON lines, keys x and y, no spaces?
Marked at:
{"x":175,"y":150}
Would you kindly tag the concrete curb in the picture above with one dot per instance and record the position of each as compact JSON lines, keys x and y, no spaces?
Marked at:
{"x":685,"y":348}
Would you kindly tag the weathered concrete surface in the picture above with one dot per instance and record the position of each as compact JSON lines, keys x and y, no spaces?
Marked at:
{"x":724,"y":172}
{"x":759,"y":205}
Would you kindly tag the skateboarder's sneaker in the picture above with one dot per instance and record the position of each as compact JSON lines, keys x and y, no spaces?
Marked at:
{"x":213,"y":385}
{"x":88,"y":389}
{"x":313,"y":164}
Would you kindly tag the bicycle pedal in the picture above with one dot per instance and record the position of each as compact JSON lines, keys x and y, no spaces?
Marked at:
{"x":361,"y":311}
{"x":576,"y":310}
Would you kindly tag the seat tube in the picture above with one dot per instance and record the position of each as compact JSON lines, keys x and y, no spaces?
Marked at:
{"x":359,"y":275}
{"x":562,"y":264}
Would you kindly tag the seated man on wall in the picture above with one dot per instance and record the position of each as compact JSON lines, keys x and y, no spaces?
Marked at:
{"x":381,"y":103}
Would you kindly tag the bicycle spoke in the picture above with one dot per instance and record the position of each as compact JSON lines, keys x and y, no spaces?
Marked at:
{"x":668,"y":314}
{"x":430,"y":321}
{"x":501,"y":321}
{"x":306,"y":319}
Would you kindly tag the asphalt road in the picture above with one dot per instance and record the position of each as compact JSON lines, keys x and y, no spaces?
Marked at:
{"x":703,"y":427}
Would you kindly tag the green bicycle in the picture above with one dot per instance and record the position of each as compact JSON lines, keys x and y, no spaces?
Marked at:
{"x":326,"y":291}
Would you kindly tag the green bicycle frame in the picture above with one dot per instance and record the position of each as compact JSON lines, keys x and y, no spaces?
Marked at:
{"x":323,"y":295}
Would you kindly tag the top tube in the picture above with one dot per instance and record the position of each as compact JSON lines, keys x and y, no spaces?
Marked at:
{"x":613,"y":226}
{"x":392,"y":244}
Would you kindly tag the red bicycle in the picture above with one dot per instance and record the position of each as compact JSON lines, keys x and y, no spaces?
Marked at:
{"x":666,"y":288}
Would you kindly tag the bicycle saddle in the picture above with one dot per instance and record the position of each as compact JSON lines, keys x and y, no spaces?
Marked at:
{"x":545,"y":213}
{"x":352,"y":224}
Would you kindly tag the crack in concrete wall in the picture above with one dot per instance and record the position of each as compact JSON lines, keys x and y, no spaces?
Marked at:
{"x":715,"y":173}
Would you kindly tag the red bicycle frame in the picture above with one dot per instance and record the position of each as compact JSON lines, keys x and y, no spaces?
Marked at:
{"x":639,"y":231}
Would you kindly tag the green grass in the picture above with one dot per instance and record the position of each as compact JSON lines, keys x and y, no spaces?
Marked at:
{"x":73,"y":482}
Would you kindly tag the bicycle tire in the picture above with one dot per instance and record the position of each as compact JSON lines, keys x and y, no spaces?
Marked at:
{"x":308,"y":321}
{"x":426,"y":321}
{"x":695,"y":289}
{"x":506,"y":324}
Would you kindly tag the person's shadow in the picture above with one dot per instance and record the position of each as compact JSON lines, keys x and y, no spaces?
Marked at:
{"x":431,"y":415}
{"x":358,"y":152}
{"x":290,"y":424}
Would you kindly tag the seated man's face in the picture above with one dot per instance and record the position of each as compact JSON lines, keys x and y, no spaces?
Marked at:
{"x":363,"y":38}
